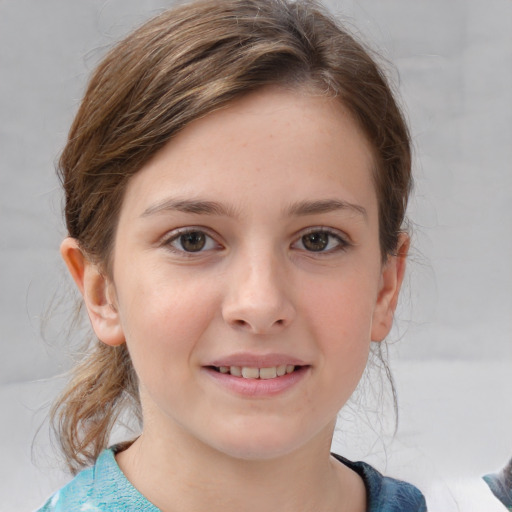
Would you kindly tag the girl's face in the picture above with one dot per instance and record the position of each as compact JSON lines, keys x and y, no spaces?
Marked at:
{"x":249,"y":247}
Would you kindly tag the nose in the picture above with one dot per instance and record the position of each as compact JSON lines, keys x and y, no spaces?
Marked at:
{"x":258,"y":300}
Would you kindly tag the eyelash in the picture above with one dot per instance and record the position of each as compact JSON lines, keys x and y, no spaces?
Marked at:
{"x":179,"y":233}
{"x":341,"y":242}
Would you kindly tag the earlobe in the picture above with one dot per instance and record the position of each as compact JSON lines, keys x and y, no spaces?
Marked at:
{"x":97,"y":291}
{"x":392,"y":276}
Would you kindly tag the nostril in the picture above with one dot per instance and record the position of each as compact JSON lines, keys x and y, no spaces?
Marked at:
{"x":240,"y":323}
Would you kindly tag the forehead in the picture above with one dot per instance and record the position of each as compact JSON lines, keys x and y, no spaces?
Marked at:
{"x":270,"y":140}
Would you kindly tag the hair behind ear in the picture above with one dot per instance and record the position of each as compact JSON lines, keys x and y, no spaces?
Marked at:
{"x":101,"y":386}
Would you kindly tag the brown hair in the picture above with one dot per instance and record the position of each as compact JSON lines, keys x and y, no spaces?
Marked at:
{"x":178,"y":67}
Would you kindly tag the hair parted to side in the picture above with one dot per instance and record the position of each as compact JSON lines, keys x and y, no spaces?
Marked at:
{"x":178,"y":67}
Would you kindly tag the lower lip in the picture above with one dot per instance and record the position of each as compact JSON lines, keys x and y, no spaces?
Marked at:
{"x":258,"y":387}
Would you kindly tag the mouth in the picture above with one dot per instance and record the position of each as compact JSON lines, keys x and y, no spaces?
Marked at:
{"x":250,"y":372}
{"x":258,"y":377}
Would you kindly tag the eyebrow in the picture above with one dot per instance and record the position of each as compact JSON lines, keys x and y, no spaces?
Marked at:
{"x":190,"y":206}
{"x":300,"y":208}
{"x":325,"y":206}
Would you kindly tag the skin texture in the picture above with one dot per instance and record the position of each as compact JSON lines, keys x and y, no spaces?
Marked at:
{"x":255,"y":290}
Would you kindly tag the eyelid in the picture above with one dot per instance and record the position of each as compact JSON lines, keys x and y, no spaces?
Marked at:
{"x":343,"y":239}
{"x":174,"y":234}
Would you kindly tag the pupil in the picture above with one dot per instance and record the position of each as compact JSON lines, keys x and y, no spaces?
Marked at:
{"x":315,"y":241}
{"x":193,"y":242}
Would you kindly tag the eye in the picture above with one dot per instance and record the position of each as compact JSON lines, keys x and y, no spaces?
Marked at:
{"x":191,"y":240}
{"x":321,"y":240}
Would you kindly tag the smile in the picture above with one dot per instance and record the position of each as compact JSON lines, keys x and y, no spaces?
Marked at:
{"x":248,"y":372}
{"x":257,"y":379}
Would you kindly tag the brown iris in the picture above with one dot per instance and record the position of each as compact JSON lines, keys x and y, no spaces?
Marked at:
{"x":193,"y":241}
{"x":317,"y":241}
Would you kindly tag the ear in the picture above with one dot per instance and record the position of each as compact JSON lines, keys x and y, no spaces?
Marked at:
{"x":97,"y":291}
{"x":391,"y":279}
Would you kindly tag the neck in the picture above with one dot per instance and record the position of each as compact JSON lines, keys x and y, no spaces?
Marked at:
{"x":179,"y":475}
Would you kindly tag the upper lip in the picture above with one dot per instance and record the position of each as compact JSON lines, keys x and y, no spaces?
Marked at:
{"x":257,"y":360}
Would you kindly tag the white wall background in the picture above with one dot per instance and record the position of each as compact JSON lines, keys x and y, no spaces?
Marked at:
{"x":453,"y":360}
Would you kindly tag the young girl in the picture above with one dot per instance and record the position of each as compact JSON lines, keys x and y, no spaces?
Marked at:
{"x":236,"y":181}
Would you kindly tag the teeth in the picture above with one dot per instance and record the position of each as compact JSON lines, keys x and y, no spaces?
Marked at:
{"x":268,"y":373}
{"x":235,"y":370}
{"x":248,"y":372}
{"x":281,"y":370}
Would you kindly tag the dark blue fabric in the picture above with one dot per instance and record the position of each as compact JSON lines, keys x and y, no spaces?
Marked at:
{"x":104,"y":488}
{"x":384,"y":494}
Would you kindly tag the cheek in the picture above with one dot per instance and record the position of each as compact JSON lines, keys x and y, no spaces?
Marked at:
{"x":340,"y":317}
{"x":342,"y":306}
{"x":163,"y":318}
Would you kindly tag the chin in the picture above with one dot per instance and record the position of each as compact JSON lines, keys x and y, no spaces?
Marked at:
{"x":260,"y":444}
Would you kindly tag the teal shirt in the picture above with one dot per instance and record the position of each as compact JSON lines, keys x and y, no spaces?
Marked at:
{"x":104,"y":488}
{"x":100,"y":488}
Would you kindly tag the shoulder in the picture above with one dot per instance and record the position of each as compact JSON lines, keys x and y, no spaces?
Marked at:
{"x":75,"y":494}
{"x":386,"y":494}
{"x":100,"y":488}
{"x":390,"y":495}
